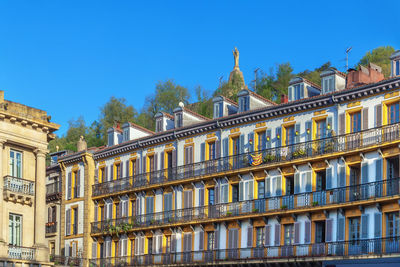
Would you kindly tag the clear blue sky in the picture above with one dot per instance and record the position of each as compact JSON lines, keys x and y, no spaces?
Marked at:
{"x":70,"y":57}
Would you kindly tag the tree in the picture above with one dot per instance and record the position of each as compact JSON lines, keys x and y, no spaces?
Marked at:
{"x":379,"y":56}
{"x":231,"y":88}
{"x":314,"y":76}
{"x":68,"y":142}
{"x":264,"y":85}
{"x":114,"y":110}
{"x":168,"y":95}
{"x":284,"y":74}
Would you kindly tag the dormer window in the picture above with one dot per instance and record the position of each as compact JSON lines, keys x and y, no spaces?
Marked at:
{"x":328,"y":84}
{"x":244,"y":103}
{"x":179,"y":120}
{"x":126,"y":135}
{"x":218,"y":110}
{"x":110,"y":139}
{"x":397,"y":67}
{"x":395,"y":62}
{"x":298,"y":91}
{"x":159,"y":125}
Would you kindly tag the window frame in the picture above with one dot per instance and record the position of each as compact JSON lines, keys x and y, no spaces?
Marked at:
{"x":13,"y":164}
{"x":15,"y":239}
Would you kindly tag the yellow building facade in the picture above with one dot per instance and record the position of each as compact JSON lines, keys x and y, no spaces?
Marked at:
{"x":24,"y":136}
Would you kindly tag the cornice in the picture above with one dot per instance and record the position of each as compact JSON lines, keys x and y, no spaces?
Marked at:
{"x":252,"y":115}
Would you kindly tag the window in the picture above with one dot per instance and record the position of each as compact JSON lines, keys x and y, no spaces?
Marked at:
{"x":15,"y":225}
{"x":210,"y":241}
{"x":354,"y":228}
{"x":15,"y":163}
{"x":118,"y":171}
{"x":224,"y":193}
{"x":321,"y":129}
{"x":261,"y":189}
{"x":244,"y":103}
{"x":298,"y":91}
{"x":289,"y":234}
{"x":260,"y":233}
{"x":246,"y":190}
{"x":159,"y":125}
{"x":261,"y":141}
{"x":77,"y":183}
{"x":218,"y":110}
{"x":290,"y":135}
{"x":75,"y":221}
{"x":167,"y":244}
{"x":393,"y":113}
{"x":328,"y":84}
{"x":398,"y":67}
{"x":211,"y":200}
{"x":178,"y":122}
{"x":392,"y":224}
{"x":111,"y":139}
{"x":355,"y":122}
{"x":211,"y":151}
{"x":126,"y":134}
{"x":236,"y":146}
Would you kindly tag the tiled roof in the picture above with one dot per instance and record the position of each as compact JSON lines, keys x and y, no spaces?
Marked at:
{"x":261,"y":97}
{"x":134,"y":125}
{"x":195,"y":114}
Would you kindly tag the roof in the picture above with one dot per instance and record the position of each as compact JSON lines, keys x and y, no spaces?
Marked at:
{"x":259,"y":97}
{"x":229,"y":100}
{"x":134,"y":125}
{"x":195,"y":114}
{"x":294,"y":81}
{"x":332,"y":69}
{"x":396,"y":54}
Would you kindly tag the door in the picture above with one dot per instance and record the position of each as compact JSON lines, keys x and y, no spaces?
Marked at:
{"x":355,"y":179}
{"x":319,"y":244}
{"x":233,"y":243}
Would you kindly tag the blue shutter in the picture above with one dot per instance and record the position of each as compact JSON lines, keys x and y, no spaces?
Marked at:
{"x":340,"y":231}
{"x":308,"y":130}
{"x":268,"y":186}
{"x":221,"y":109}
{"x":263,"y":140}
{"x":308,"y":182}
{"x":278,"y":131}
{"x":290,"y":93}
{"x":378,"y":169}
{"x":202,"y":152}
{"x":241,"y":188}
{"x":329,"y":178}
{"x":329,"y":122}
{"x":364,"y":173}
{"x":279,"y":185}
{"x":241,"y":144}
{"x":377,"y":225}
{"x":296,"y":182}
{"x":297,"y":130}
{"x":250,"y":136}
{"x":225,"y":144}
{"x":364,"y":226}
{"x":342,"y":176}
{"x":302,"y":91}
{"x":268,"y":143}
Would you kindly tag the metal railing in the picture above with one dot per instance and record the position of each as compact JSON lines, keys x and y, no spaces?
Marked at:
{"x":308,"y":200}
{"x":342,"y":143}
{"x":66,"y":260}
{"x":19,"y":185}
{"x":305,"y":252}
{"x":53,"y":188}
{"x":21,"y":253}
{"x":51,"y":227}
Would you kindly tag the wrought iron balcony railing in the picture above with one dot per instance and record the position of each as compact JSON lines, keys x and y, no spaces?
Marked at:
{"x":299,"y":252}
{"x":342,"y":143}
{"x":53,"y":188}
{"x":19,"y":185}
{"x":66,"y":260}
{"x":51,"y":227}
{"x":21,"y":253}
{"x":342,"y":195}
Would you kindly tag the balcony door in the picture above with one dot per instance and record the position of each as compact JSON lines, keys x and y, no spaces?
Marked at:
{"x":15,"y":164}
{"x":15,"y":230}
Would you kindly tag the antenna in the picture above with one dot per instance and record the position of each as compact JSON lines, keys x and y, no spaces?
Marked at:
{"x":220,"y":80}
{"x":347,"y":57}
{"x":255,"y":78}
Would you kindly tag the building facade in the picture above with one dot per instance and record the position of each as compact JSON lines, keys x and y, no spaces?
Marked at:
{"x":310,"y":180}
{"x":24,"y":135}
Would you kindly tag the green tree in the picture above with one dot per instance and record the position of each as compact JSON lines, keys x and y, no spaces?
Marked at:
{"x":284,"y":74}
{"x":114,"y":110}
{"x":379,"y":56}
{"x":314,"y":76}
{"x":168,"y":95}
{"x":231,"y":88}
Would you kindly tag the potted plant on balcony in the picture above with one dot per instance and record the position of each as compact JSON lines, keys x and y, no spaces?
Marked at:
{"x":284,"y":207}
{"x":315,"y":203}
{"x":255,"y":210}
{"x":269,"y":158}
{"x":299,"y":153}
{"x":228,"y":213}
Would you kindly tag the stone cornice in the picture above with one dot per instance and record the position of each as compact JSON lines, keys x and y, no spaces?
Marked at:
{"x":252,"y":115}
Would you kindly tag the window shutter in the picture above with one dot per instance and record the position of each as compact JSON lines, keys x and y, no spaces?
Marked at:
{"x":341,"y":233}
{"x":364,"y":226}
{"x":364,"y":118}
{"x":251,"y":190}
{"x":378,"y":169}
{"x":96,"y":212}
{"x":201,"y":197}
{"x":297,"y":232}
{"x":329,"y":122}
{"x":308,"y":130}
{"x":142,"y":245}
{"x":202,"y":152}
{"x":216,"y":239}
{"x":54,"y":214}
{"x":378,"y":115}
{"x":241,"y":144}
{"x":162,"y":165}
{"x":49,"y":214}
{"x":78,"y":183}
{"x":308,"y":182}
{"x":155,"y":168}
{"x":329,"y":178}
{"x":267,"y":241}
{"x":297,"y":182}
{"x":174,"y":158}
{"x":268,"y":186}
{"x":68,"y":222}
{"x":73,"y":249}
{"x":226,"y":192}
{"x":297,"y":132}
{"x":268,"y":143}
{"x":112,"y":172}
{"x":127,"y":168}
{"x":69,"y":189}
{"x":250,"y":237}
{"x":173,"y":243}
{"x":121,"y":170}
{"x":225,"y":145}
{"x":301,"y":91}
{"x":105,"y":175}
{"x":217,"y":149}
{"x":279,"y":185}
{"x":364,"y":173}
{"x":96,"y":175}
{"x":377,"y":225}
{"x":342,"y":123}
{"x":94,"y":250}
{"x":154,"y":245}
{"x":278,"y":131}
{"x":201,"y":240}
{"x":342,"y":176}
{"x":277,"y":240}
{"x":250,"y":140}
{"x":307,"y":232}
{"x":216,"y":191}
{"x":110,"y":210}
{"x":66,"y":250}
{"x":328,"y":230}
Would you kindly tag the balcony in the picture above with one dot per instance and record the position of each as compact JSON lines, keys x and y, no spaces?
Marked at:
{"x":51,"y":227}
{"x":300,"y":151}
{"x":289,"y":253}
{"x":18,"y":190}
{"x":21,"y":253}
{"x":304,"y":202}
{"x":66,"y":260}
{"x":53,"y":191}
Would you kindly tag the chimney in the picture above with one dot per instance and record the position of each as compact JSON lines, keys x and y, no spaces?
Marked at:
{"x":364,"y":75}
{"x":284,"y":99}
{"x":81,"y":145}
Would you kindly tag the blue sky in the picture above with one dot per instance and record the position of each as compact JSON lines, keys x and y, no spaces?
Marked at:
{"x":70,"y":57}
